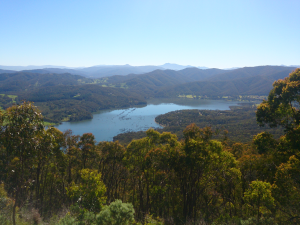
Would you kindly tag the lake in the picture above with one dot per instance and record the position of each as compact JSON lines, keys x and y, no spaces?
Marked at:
{"x":108,"y":123}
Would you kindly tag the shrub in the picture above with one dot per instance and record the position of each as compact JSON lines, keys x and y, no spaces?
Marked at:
{"x":262,"y":221}
{"x":116,"y":213}
{"x":89,"y":193}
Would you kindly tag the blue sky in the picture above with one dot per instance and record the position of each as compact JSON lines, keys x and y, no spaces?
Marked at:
{"x":220,"y":34}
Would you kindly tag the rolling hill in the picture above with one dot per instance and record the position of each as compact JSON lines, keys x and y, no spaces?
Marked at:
{"x":247,"y":72}
{"x":73,"y":97}
{"x":209,"y":82}
{"x":94,"y":71}
{"x":252,"y":85}
{"x":63,"y":96}
{"x":18,"y":81}
{"x":149,"y":83}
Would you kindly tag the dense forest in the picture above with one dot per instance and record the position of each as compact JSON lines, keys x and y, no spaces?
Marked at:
{"x":212,"y":83}
{"x":63,"y":96}
{"x":53,"y":177}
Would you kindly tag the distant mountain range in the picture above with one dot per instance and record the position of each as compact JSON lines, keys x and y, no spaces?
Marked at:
{"x":210,"y":82}
{"x":229,"y":84}
{"x":94,"y":71}
{"x":20,"y":68}
{"x":123,"y":70}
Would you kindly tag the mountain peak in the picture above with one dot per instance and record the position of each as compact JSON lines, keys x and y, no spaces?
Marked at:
{"x":173,"y":66}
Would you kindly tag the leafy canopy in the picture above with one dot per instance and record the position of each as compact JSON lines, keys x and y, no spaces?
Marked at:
{"x":282,"y":106}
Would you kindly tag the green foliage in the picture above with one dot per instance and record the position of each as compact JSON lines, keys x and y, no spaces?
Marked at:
{"x":262,"y":221}
{"x":5,"y":206}
{"x":21,"y":81}
{"x":211,"y":82}
{"x":264,"y":142}
{"x":67,"y":220}
{"x":7,"y":100}
{"x":196,"y":180}
{"x":116,"y":213}
{"x":259,"y":198}
{"x":281,"y":108}
{"x":243,"y":81}
{"x":77,"y":216}
{"x":113,"y":169}
{"x":80,"y":215}
{"x":20,"y":139}
{"x":90,"y":192}
{"x":63,"y":96}
{"x":287,"y":188}
{"x":4,"y":220}
{"x":58,"y":102}
{"x":149,"y":220}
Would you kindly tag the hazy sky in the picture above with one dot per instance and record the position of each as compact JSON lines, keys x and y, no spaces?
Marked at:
{"x":222,"y":34}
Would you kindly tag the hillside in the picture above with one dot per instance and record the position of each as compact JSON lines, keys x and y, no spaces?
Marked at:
{"x":106,"y":71}
{"x":63,"y":96}
{"x":74,"y":97}
{"x":18,"y":81}
{"x":148,"y":84}
{"x":74,"y":103}
{"x":248,"y":72}
{"x":253,"y":85}
{"x":57,"y":71}
{"x":94,"y":71}
{"x":209,"y":82}
{"x":7,"y":71}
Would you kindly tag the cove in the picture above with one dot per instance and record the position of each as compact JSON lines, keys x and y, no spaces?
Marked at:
{"x":108,"y":123}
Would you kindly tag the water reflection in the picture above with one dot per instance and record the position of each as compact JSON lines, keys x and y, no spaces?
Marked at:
{"x":108,"y":123}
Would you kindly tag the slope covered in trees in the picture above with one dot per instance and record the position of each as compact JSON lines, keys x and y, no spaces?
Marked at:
{"x":210,"y":82}
{"x":68,"y":97}
{"x":21,"y":81}
{"x":157,"y":179}
{"x":75,"y":103}
{"x":254,"y":85}
{"x":7,"y":71}
{"x":94,"y":71}
{"x":149,"y":83}
{"x":247,"y":72}
{"x":63,"y":96}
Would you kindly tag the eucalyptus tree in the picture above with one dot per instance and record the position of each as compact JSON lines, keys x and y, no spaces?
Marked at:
{"x":143,"y":171}
{"x":19,"y":136}
{"x":113,"y":170}
{"x":283,"y":109}
{"x":209,"y":176}
{"x":282,"y":106}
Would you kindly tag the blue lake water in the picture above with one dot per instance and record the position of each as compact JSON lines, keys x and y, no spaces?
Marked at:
{"x":108,"y":123}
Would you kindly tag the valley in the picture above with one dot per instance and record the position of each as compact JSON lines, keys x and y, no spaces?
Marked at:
{"x":68,"y":97}
{"x":109,"y":123}
{"x":149,"y":112}
{"x":147,"y":136}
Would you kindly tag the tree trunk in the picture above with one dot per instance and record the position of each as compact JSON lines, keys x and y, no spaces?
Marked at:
{"x":14,"y":208}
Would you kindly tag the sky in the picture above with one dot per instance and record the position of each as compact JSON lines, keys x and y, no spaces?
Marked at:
{"x":215,"y":34}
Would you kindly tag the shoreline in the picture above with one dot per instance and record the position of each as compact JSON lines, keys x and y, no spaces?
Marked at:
{"x":159,"y":123}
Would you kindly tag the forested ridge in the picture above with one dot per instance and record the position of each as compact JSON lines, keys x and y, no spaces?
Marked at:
{"x":63,"y":97}
{"x":74,"y":103}
{"x":53,"y":177}
{"x":210,"y":82}
{"x":68,"y":97}
{"x":257,"y":85}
